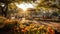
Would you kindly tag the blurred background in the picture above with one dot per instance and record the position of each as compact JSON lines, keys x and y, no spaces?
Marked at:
{"x":41,"y":12}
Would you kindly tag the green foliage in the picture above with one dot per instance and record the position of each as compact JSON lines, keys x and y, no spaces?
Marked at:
{"x":48,"y":3}
{"x":54,"y":14}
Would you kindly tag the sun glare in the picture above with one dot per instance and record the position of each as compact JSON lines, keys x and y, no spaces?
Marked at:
{"x":24,"y":6}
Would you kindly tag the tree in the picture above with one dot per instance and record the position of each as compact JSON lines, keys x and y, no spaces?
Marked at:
{"x":5,"y":7}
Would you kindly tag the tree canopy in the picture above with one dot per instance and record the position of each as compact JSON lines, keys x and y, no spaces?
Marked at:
{"x":46,"y":4}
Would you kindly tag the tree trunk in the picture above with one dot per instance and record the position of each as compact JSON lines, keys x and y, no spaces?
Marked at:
{"x":4,"y":10}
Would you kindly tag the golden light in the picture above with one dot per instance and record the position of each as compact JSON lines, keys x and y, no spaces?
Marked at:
{"x":3,"y":5}
{"x":25,"y":6}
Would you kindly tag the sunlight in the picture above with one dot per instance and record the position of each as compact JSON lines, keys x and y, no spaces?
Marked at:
{"x":3,"y":5}
{"x":24,"y":6}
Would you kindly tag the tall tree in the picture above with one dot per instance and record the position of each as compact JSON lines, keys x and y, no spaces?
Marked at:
{"x":5,"y":7}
